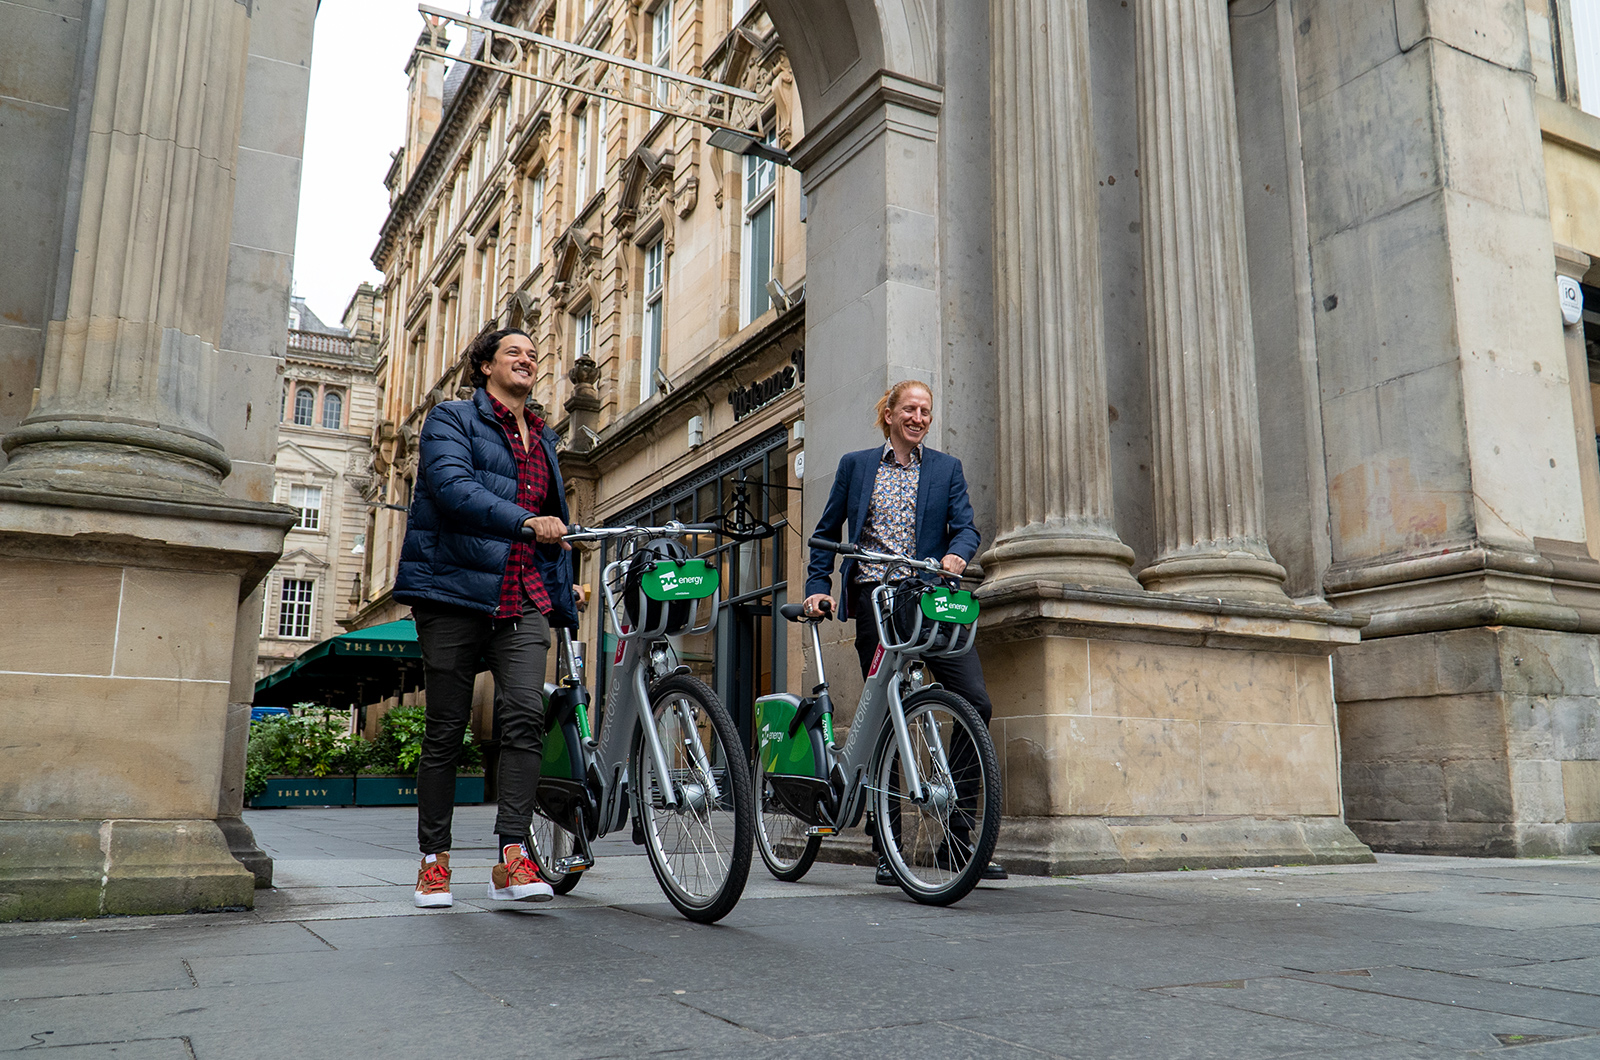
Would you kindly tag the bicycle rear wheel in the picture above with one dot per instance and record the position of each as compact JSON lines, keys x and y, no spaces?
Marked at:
{"x":937,"y":848}
{"x":780,"y":836}
{"x":700,"y":848}
{"x":548,"y":844}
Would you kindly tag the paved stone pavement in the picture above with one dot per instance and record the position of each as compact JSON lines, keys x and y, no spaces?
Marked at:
{"x":1411,"y":958}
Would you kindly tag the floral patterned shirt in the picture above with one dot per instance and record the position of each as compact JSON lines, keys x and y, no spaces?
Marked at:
{"x":891,"y":524}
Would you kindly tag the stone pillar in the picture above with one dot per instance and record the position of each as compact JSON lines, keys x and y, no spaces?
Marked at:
{"x":1054,"y":511}
{"x":126,"y":389}
{"x":1206,"y":436}
{"x":127,"y":690}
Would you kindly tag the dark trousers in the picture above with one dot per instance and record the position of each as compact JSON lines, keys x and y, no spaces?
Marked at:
{"x":454,"y":643}
{"x":962,"y":675}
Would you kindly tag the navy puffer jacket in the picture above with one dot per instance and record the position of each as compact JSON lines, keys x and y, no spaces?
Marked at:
{"x":464,"y":518}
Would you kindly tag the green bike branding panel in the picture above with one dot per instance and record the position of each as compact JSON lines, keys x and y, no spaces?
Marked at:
{"x":783,"y":755}
{"x":942,"y":605}
{"x":689,"y":580}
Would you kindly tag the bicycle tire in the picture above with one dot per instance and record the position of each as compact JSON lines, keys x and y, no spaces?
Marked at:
{"x":778,"y":831}
{"x":549,"y":843}
{"x":930,"y":861}
{"x":701,"y":864}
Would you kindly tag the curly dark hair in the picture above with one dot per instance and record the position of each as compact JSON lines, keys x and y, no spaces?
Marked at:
{"x":482,"y":350}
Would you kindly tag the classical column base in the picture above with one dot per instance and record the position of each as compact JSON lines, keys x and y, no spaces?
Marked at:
{"x":1138,"y":731}
{"x":242,"y":845}
{"x":1218,"y":575}
{"x":114,"y":456}
{"x":54,"y":870}
{"x":1073,"y":846}
{"x":1056,"y":554}
{"x":1472,"y":741}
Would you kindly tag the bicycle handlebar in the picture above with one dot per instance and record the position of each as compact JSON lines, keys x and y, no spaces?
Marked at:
{"x":673,"y":528}
{"x":891,"y":558}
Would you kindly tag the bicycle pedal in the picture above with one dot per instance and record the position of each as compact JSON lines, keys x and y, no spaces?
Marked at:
{"x":822,"y":830}
{"x":573,"y":863}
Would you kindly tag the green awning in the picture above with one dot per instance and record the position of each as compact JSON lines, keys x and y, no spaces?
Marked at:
{"x":352,"y":669}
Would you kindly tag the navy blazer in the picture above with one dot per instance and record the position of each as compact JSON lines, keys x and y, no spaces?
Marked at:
{"x":464,"y":515}
{"x":944,"y":514}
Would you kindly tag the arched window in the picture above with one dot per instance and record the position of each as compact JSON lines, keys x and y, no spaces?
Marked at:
{"x":304,"y":403}
{"x":333,"y":410}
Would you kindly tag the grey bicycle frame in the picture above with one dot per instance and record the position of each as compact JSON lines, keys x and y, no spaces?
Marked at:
{"x":882,"y":698}
{"x":629,"y":685}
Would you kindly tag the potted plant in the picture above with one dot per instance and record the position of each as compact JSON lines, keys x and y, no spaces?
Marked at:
{"x":389,"y":775}
{"x":302,"y":759}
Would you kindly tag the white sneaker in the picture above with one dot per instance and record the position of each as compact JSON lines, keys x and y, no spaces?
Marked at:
{"x":516,"y":879}
{"x":433,"y":884}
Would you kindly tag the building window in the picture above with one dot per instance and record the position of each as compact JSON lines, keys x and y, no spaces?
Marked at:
{"x":305,"y":403}
{"x":661,"y":45}
{"x":655,"y":272}
{"x":755,"y":260}
{"x":1586,"y":51}
{"x":333,"y":410}
{"x":583,"y":334}
{"x":580,"y":148}
{"x":294,"y":609}
{"x":309,"y":500}
{"x":536,"y":225}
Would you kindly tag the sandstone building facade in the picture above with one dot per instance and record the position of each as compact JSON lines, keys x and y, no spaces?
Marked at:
{"x":638,"y":257}
{"x":324,"y":466}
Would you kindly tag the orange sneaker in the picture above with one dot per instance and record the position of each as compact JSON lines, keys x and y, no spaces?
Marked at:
{"x":433,"y":884}
{"x":516,"y":878}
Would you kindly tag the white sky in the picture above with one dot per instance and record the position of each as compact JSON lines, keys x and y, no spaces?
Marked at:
{"x":357,"y":117}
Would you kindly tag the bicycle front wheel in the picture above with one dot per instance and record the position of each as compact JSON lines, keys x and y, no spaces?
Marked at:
{"x":938,"y":843}
{"x":780,"y":836}
{"x":699,"y":848}
{"x":549,"y":843}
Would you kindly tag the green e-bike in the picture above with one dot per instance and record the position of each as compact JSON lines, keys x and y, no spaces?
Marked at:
{"x":918,"y":757}
{"x":667,"y":758}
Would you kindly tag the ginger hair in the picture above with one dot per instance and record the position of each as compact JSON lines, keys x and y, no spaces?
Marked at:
{"x":891,"y":398}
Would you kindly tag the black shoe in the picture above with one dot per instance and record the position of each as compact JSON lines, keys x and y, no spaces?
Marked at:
{"x":884,"y":877}
{"x":994,"y":871}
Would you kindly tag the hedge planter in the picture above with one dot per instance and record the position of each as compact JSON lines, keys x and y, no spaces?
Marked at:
{"x":360,"y":791}
{"x":306,"y":791}
{"x":402,"y":791}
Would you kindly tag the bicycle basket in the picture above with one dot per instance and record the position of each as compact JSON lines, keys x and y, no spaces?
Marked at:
{"x":921,"y":615}
{"x":663,"y":586}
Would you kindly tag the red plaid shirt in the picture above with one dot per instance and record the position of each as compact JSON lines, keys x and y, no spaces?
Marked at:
{"x":523,"y":580}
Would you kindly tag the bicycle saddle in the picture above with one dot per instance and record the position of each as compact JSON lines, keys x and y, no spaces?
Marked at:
{"x":797,"y":613}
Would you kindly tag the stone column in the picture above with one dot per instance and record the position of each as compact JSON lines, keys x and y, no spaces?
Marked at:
{"x":1054,"y":511}
{"x":1206,"y":436}
{"x":126,"y":388}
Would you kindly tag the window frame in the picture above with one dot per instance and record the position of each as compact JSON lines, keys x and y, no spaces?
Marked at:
{"x":654,"y":323}
{"x":337,"y":398}
{"x":764,"y":200}
{"x":304,"y":608}
{"x":310,"y":517}
{"x":310,"y":405}
{"x":583,"y":333}
{"x":661,"y":45}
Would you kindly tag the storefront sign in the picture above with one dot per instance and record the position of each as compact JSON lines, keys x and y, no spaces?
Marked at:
{"x":758,"y":395}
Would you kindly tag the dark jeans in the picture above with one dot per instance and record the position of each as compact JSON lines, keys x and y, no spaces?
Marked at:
{"x":962,"y":675}
{"x":454,"y":643}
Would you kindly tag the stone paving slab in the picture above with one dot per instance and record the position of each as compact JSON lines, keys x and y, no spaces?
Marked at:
{"x":1409,"y":959}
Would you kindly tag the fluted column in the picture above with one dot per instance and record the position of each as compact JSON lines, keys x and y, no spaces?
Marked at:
{"x":126,"y":388}
{"x":1206,"y":436}
{"x":1054,"y":513}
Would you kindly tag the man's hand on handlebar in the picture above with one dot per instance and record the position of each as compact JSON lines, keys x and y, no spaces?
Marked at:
{"x":953,"y":564}
{"x":818,"y":604}
{"x":546,"y":529}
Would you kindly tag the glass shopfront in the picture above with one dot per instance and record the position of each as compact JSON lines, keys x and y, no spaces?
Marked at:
{"x":746,"y":654}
